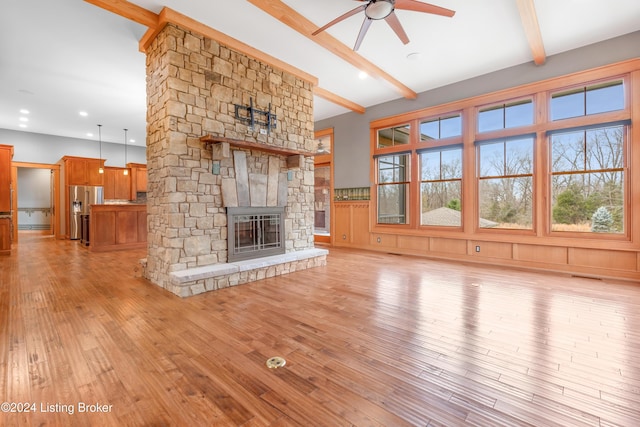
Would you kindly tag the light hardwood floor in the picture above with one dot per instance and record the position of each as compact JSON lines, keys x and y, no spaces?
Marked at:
{"x":370,"y":340}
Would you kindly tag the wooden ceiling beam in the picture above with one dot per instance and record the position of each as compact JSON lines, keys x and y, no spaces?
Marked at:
{"x":128,"y":10}
{"x":338,"y":100}
{"x":296,"y":21}
{"x":529,"y":18}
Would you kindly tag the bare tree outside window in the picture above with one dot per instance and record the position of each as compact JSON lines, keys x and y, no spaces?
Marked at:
{"x":587,"y":168}
{"x":506,"y":183}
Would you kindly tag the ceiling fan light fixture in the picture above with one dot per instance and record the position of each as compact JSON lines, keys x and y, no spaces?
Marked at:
{"x":379,"y":9}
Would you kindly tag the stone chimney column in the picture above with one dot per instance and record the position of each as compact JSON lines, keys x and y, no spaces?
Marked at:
{"x":193,"y":85}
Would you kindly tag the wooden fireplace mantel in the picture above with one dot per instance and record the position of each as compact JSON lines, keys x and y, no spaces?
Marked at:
{"x":280,"y":151}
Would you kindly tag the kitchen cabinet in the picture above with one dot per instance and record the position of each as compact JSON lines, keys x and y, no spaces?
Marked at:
{"x":83,"y":171}
{"x":6,"y":154}
{"x":352,"y":223}
{"x":5,"y":235}
{"x":141,"y":180}
{"x":138,"y":178}
{"x":117,"y":185}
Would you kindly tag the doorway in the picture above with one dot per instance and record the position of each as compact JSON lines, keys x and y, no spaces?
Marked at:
{"x":35,"y":199}
{"x":323,"y":181}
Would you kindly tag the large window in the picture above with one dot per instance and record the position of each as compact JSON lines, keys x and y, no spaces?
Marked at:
{"x":441,"y":186}
{"x":506,"y":183}
{"x":587,"y":179}
{"x":393,"y":189}
{"x":541,"y":161}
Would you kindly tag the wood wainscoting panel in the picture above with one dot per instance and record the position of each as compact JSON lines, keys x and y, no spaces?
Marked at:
{"x":491,"y":249}
{"x":542,"y":254}
{"x":598,"y":258}
{"x":448,"y":246}
{"x":414,"y":243}
{"x":342,"y":220}
{"x":387,"y":241}
{"x":351,"y":224}
{"x":360,"y":223}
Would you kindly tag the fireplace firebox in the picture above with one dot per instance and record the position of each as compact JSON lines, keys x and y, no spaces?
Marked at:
{"x":255,"y":232}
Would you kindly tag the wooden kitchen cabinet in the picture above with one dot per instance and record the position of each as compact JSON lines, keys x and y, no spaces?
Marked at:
{"x":5,"y":235}
{"x":138,"y":178}
{"x":352,"y":223}
{"x":141,"y":176}
{"x":83,"y":171}
{"x":117,"y":185}
{"x":6,"y":154}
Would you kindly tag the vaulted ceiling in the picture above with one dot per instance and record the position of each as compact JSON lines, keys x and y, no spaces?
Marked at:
{"x":60,"y":58}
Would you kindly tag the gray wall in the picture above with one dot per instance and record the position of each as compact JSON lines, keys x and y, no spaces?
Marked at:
{"x":40,"y":148}
{"x":351,"y":130}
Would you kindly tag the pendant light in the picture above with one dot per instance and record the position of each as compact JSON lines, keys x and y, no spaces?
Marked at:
{"x":101,"y":169}
{"x":126,"y":169}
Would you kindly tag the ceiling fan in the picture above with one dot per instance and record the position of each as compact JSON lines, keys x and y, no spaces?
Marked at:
{"x":375,"y":10}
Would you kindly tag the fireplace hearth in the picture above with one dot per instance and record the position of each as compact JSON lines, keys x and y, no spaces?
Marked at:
{"x":255,"y":232}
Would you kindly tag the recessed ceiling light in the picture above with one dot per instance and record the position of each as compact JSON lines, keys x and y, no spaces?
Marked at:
{"x":24,"y":111}
{"x":83,"y":113}
{"x":363,"y":75}
{"x":89,"y":134}
{"x":22,"y":125}
{"x":23,"y":119}
{"x":414,"y":56}
{"x":132,"y":140}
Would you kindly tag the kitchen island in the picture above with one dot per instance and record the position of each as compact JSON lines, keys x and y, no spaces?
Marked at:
{"x":117,"y":226}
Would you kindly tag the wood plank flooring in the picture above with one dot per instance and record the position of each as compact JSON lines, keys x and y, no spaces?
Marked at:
{"x":370,"y":340}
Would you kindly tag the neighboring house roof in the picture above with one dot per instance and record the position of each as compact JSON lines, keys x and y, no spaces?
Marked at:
{"x":450,"y":217}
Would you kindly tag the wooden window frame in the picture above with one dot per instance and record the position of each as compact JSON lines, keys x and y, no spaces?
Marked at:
{"x":541,"y":91}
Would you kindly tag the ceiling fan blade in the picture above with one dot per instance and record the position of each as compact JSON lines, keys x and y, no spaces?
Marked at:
{"x":418,"y":6}
{"x":395,"y":25}
{"x":340,"y":18}
{"x":363,"y":31}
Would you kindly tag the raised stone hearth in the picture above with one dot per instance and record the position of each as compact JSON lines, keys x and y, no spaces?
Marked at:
{"x":219,"y":276}
{"x":194,"y":88}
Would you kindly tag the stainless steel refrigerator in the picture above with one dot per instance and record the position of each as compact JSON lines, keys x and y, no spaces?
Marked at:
{"x":80,"y":197}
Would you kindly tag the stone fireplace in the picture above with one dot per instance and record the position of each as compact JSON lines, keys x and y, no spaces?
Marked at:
{"x":204,"y":163}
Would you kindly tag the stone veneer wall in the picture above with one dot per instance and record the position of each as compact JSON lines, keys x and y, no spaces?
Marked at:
{"x":192,"y":85}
